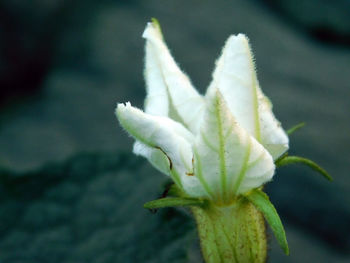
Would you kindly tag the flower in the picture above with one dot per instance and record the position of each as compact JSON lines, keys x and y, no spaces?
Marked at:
{"x":215,"y":146}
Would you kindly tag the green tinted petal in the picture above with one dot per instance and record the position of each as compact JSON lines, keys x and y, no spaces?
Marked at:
{"x":186,"y":102}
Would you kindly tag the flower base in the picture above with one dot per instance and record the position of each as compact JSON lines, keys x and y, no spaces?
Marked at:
{"x":235,"y":233}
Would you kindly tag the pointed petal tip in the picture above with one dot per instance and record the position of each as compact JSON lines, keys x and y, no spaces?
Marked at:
{"x":239,"y":38}
{"x":122,"y":108}
{"x":237,"y":44}
{"x":123,"y":105}
{"x":147,"y":30}
{"x":152,"y":29}
{"x":155,"y":22}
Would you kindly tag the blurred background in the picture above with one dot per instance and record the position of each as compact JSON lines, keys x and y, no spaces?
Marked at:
{"x":70,"y":189}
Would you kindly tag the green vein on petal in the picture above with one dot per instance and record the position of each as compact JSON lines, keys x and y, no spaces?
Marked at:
{"x":223,"y":172}
{"x":199,"y":174}
{"x":243,"y":170}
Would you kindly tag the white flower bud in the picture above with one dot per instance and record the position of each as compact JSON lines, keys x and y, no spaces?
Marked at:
{"x":216,"y":146}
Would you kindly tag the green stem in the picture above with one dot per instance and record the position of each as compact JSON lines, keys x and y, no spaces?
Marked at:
{"x":231,"y":234}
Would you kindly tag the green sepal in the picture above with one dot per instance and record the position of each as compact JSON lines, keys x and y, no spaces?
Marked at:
{"x":281,"y":157}
{"x":262,"y":202}
{"x":296,"y":159}
{"x":295,"y":128}
{"x":173,"y":201}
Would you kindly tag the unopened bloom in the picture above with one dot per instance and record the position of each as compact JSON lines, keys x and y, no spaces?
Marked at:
{"x":215,"y":146}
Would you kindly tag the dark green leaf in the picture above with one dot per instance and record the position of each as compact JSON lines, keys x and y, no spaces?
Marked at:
{"x":89,"y":209}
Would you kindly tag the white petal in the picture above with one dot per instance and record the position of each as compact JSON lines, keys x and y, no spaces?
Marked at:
{"x":259,"y":170}
{"x":273,"y":137}
{"x":193,"y":186}
{"x":157,"y":101}
{"x":187,"y":104}
{"x":161,"y":133}
{"x":236,"y":79}
{"x":155,"y":156}
{"x":224,"y":154}
{"x":158,"y":159}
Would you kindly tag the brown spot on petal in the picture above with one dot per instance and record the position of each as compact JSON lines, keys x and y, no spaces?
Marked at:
{"x":191,"y":173}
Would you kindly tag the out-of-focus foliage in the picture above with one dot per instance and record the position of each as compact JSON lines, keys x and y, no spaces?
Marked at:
{"x":327,"y":21}
{"x":89,"y":209}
